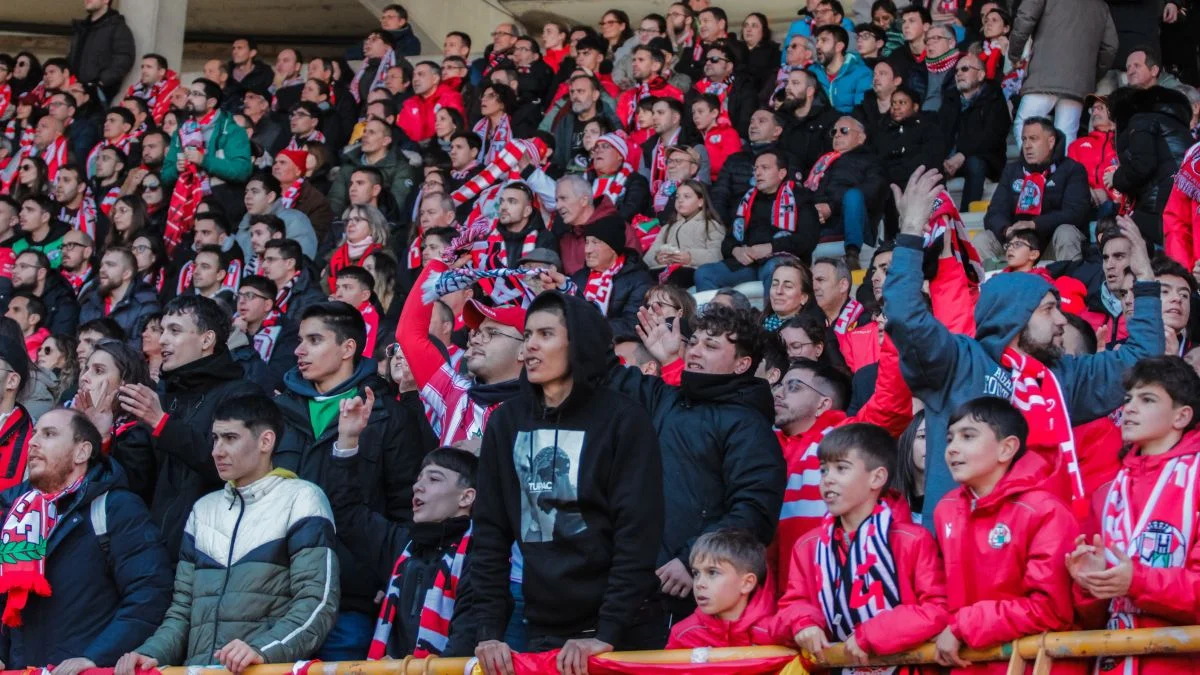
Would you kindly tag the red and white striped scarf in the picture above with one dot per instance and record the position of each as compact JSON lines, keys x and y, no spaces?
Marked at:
{"x":76,"y":280}
{"x":783,"y":217}
{"x":27,"y":528}
{"x":614,"y":185}
{"x":83,"y":218}
{"x":55,"y":156}
{"x":642,"y":92}
{"x":380,"y":79}
{"x":5,"y":99}
{"x":284,"y":295}
{"x":157,"y":96}
{"x":847,"y":319}
{"x":291,"y":193}
{"x":192,"y":184}
{"x":343,"y":257}
{"x":437,"y":610}
{"x":124,"y":143}
{"x":658,"y":161}
{"x":494,"y":142}
{"x":492,"y":254}
{"x":945,"y":214}
{"x":315,"y":137}
{"x":721,"y":91}
{"x":819,"y":168}
{"x":1160,"y":540}
{"x":264,"y":340}
{"x":110,"y":197}
{"x":599,"y":287}
{"x":859,"y":581}
{"x":504,"y":166}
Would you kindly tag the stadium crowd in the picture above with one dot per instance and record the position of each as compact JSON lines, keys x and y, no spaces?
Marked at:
{"x":465,"y":357}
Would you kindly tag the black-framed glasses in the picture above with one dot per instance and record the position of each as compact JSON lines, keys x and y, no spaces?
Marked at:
{"x":248,"y":296}
{"x":486,"y":335}
{"x":840,"y":131}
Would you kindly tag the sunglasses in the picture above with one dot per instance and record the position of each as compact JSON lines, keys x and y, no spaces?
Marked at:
{"x":715,"y":59}
{"x":967,"y":69}
{"x":840,"y":131}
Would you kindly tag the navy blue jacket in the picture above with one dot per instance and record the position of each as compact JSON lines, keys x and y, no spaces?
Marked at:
{"x":101,"y":606}
{"x":946,"y":370}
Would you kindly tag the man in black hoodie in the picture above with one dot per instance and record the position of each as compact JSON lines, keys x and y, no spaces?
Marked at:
{"x":197,"y":376}
{"x":571,"y":473}
{"x":722,"y":465}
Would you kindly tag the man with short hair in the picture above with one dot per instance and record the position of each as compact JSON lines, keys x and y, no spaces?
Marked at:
{"x":50,"y":145}
{"x":257,"y":319}
{"x":208,"y":276}
{"x":262,"y":229}
{"x":231,"y":90}
{"x":31,"y":272}
{"x":105,"y":558}
{"x":712,"y":28}
{"x":262,"y":198}
{"x":504,"y":38}
{"x":282,"y":262}
{"x":117,"y":132}
{"x":766,"y":126}
{"x":516,"y":230}
{"x":1043,"y":190}
{"x":76,"y":268}
{"x":567,"y":125}
{"x":976,"y":122}
{"x":840,"y":73}
{"x":720,"y":139}
{"x":456,"y":43}
{"x":154,"y":86}
{"x":265,"y":130}
{"x":105,"y":185}
{"x":76,"y":208}
{"x":286,"y":601}
{"x":40,"y":230}
{"x":736,"y":94}
{"x":198,"y":375}
{"x":375,"y":150}
{"x":647,"y":69}
{"x":811,"y":117}
{"x":669,"y":132}
{"x":29,"y":312}
{"x":575,"y":213}
{"x":416,"y":117}
{"x":102,"y":50}
{"x":869,"y":41}
{"x":1143,"y":70}
{"x":288,"y":79}
{"x":304,"y":121}
{"x":942,"y":56}
{"x":120,"y":294}
{"x":464,"y":153}
{"x":246,"y":68}
{"x":378,"y":58}
{"x":355,"y":286}
{"x":831,"y":284}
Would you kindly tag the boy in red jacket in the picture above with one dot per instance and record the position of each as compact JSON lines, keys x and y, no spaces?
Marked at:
{"x":866,"y":577}
{"x":1003,"y":537}
{"x":733,"y":606}
{"x":1143,"y":569}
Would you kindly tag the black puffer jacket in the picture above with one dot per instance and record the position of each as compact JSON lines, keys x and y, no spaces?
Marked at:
{"x":905,"y":145}
{"x":190,"y":395}
{"x":806,"y":139}
{"x":1065,"y":202}
{"x":734,"y":180}
{"x":1152,"y":138}
{"x":629,"y":288}
{"x":980,"y":130}
{"x":722,"y":466}
{"x":102,"y":51}
{"x":859,"y":168}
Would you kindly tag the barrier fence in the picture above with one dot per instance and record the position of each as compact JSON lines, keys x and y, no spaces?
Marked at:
{"x":1040,"y":651}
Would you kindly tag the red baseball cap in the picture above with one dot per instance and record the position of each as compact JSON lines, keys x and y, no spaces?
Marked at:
{"x":474,"y":312}
{"x":1071,"y":294}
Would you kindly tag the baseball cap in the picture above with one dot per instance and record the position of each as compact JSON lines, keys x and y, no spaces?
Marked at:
{"x":685,"y":149}
{"x":542,"y":255}
{"x":474,"y":312}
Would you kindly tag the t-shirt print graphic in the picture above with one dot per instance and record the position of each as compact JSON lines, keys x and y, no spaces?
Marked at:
{"x":547,"y":463}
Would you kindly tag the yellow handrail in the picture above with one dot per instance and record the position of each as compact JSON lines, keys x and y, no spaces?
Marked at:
{"x":1075,"y":644}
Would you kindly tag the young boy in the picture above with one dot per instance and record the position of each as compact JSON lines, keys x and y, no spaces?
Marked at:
{"x":862,"y":542}
{"x":1147,"y":512}
{"x":356,"y":287}
{"x":1022,"y":252}
{"x":733,"y":607}
{"x":1004,"y":539}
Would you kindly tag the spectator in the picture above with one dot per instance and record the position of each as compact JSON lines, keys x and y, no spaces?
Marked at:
{"x":615,"y":278}
{"x":1180,"y":216}
{"x":938,"y":72}
{"x":280,"y":610}
{"x":1143,"y":71}
{"x":801,"y":53}
{"x":790,"y":294}
{"x":102,"y":50}
{"x":504,"y":38}
{"x":283,"y":263}
{"x":113,"y":567}
{"x":736,"y":175}
{"x":909,"y":139}
{"x":811,"y":118}
{"x":915,"y":22}
{"x":18,"y":424}
{"x":831,"y":291}
{"x":576,"y":214}
{"x":263,"y":198}
{"x":692,"y":239}
{"x":1097,"y":151}
{"x":869,"y":42}
{"x":847,"y":186}
{"x":258,"y":321}
{"x":737,"y":96}
{"x":976,"y":122}
{"x":712,"y":30}
{"x":1044,"y":191}
{"x":32,"y":273}
{"x":1076,"y":44}
{"x":720,"y":139}
{"x":1022,"y":251}
{"x":394,"y":19}
{"x":613,"y":177}
{"x":416,"y":117}
{"x":536,"y":503}
{"x":876,"y":107}
{"x":1015,"y":318}
{"x":646,"y":71}
{"x":840,"y":73}
{"x":29,"y":312}
{"x":567,"y":124}
{"x":246,"y":68}
{"x":377,"y":149}
{"x":517,"y":229}
{"x":763,"y":57}
{"x":198,"y":375}
{"x":41,"y":232}
{"x":287,"y":82}
{"x":366,"y":231}
{"x":670,"y":134}
{"x":119,"y":295}
{"x":156,"y":82}
{"x":1152,"y":139}
{"x":300,"y":194}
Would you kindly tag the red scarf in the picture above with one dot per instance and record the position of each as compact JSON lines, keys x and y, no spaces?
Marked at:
{"x":645,"y":90}
{"x":284,"y":295}
{"x":83,"y":218}
{"x":1037,"y":395}
{"x":858,"y":576}
{"x":818,"y":171}
{"x":291,"y":193}
{"x":993,"y":59}
{"x":1030,"y":191}
{"x":414,"y":253}
{"x":783,"y":217}
{"x":76,"y":281}
{"x":14,"y":439}
{"x":157,"y":96}
{"x":462,"y":174}
{"x":55,"y":156}
{"x":437,"y":610}
{"x":191,"y":186}
{"x":494,"y":142}
{"x":264,"y":340}
{"x":658,"y":164}
{"x":5,"y":99}
{"x":124,"y":143}
{"x":847,"y":320}
{"x":945,"y":215}
{"x":1187,"y":179}
{"x":110,"y":197}
{"x":342,"y":258}
{"x":27,"y":530}
{"x":598,"y":289}
{"x":721,"y":90}
{"x":371,"y":321}
{"x":380,"y":79}
{"x":614,"y":185}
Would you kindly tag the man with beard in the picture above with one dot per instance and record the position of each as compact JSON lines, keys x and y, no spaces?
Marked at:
{"x":76,"y":208}
{"x":842,"y":75}
{"x":517,"y":230}
{"x":567,"y":125}
{"x":154,"y":85}
{"x":77,"y":251}
{"x":1017,"y":351}
{"x":154,"y":150}
{"x":31,"y":273}
{"x":734,"y":92}
{"x":105,"y":185}
{"x":209,"y":149}
{"x":811,"y":120}
{"x":646,"y":66}
{"x":119,"y":296}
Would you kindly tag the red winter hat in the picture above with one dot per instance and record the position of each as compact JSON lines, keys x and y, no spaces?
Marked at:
{"x":1071,"y":293}
{"x":298,"y":157}
{"x":474,"y":312}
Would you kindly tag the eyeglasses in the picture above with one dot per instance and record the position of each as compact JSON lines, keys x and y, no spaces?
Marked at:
{"x":486,"y":335}
{"x":26,"y":167}
{"x":1016,"y":243}
{"x":248,"y":296}
{"x":27,"y":266}
{"x":715,"y":59}
{"x":792,"y":384}
{"x":140,"y":248}
{"x":72,"y":245}
{"x":501,"y":33}
{"x":840,"y":131}
{"x":659,"y":304}
{"x":648,"y":31}
{"x":151,"y":186}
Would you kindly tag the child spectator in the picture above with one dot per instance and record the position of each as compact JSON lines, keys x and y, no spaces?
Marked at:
{"x":1147,"y":512}
{"x":733,"y":606}
{"x":355,"y":286}
{"x":862,"y":541}
{"x":1003,"y":537}
{"x":1022,"y":252}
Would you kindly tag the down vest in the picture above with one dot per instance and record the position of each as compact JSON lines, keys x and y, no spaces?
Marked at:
{"x":257,"y":565}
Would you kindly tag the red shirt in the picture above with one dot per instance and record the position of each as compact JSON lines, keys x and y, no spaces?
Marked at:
{"x":419,"y":113}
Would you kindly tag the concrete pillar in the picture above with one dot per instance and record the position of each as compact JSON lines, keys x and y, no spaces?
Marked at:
{"x":432,"y":19}
{"x":157,"y":27}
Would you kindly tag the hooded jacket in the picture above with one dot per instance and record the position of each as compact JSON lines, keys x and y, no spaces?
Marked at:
{"x":571,"y":237}
{"x":1066,"y":200}
{"x":1152,"y":140}
{"x":946,"y":370}
{"x":190,"y":395}
{"x":629,"y":287}
{"x":1020,"y":534}
{"x":1097,"y":152}
{"x":578,"y":488}
{"x":848,"y":86}
{"x":139,"y":302}
{"x":389,"y":457}
{"x":123,"y":594}
{"x":756,"y":626}
{"x":416,"y":116}
{"x":722,"y":465}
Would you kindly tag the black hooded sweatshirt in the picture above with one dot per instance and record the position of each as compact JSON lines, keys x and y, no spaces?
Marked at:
{"x":579,"y":489}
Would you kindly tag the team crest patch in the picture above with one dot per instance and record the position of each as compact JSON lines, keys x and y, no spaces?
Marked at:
{"x":1161,"y":545}
{"x":999,"y":536}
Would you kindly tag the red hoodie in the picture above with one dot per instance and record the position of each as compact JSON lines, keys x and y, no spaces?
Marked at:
{"x":1166,"y":596}
{"x":419,"y":113}
{"x":720,"y":141}
{"x":1004,"y":558}
{"x":1097,"y":152}
{"x":919,"y":618}
{"x":628,"y":100}
{"x":757,"y":626}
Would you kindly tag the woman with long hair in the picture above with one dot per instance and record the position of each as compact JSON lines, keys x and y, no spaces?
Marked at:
{"x":366,"y":231}
{"x":151,"y":349}
{"x":112,"y":365}
{"x":446,"y":123}
{"x":616,"y":31}
{"x":151,"y":255}
{"x":32,"y":178}
{"x":23,"y":124}
{"x":57,"y":354}
{"x":692,"y":239}
{"x":26,"y":74}
{"x":127,"y":217}
{"x":910,"y":465}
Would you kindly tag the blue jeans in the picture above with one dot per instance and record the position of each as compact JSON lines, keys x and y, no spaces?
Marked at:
{"x":349,"y":638}
{"x":718,"y":275}
{"x":854,"y":217}
{"x":974,"y":173}
{"x":516,"y":635}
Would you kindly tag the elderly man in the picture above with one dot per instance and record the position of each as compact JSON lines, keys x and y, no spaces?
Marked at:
{"x":576,"y":213}
{"x":1044,"y":191}
{"x":613,"y":177}
{"x":847,"y":184}
{"x":942,"y":56}
{"x":504,"y":38}
{"x":976,"y":122}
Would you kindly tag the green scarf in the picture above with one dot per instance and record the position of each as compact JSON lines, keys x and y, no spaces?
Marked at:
{"x":323,"y":410}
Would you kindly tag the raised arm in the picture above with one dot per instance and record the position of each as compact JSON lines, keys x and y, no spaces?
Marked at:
{"x":412,"y":332}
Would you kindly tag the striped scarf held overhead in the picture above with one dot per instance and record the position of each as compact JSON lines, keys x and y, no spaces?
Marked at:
{"x":380,"y":78}
{"x":783,"y":216}
{"x":495,"y":141}
{"x":721,"y":91}
{"x":614,"y":185}
{"x":440,"y":284}
{"x":192,"y":184}
{"x":858,"y":578}
{"x":437,"y":610}
{"x":945,"y":215}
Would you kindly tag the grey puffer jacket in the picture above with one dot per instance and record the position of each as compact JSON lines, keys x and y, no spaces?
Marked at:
{"x":1074,"y":41}
{"x":257,"y":565}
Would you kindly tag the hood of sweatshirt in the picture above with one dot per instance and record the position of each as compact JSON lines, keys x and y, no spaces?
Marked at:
{"x":295,"y":383}
{"x":1006,"y":302}
{"x":590,"y":342}
{"x":745,"y":389}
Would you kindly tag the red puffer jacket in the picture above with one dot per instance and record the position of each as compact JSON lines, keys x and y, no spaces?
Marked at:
{"x":1004,"y":558}
{"x":419,"y":113}
{"x":1097,"y":152}
{"x":757,"y":626}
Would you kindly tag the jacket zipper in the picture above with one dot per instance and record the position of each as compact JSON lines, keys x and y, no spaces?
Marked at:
{"x":228,"y":566}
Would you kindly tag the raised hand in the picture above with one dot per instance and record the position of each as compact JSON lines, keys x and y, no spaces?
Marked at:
{"x":915,"y":203}
{"x":354,"y":414}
